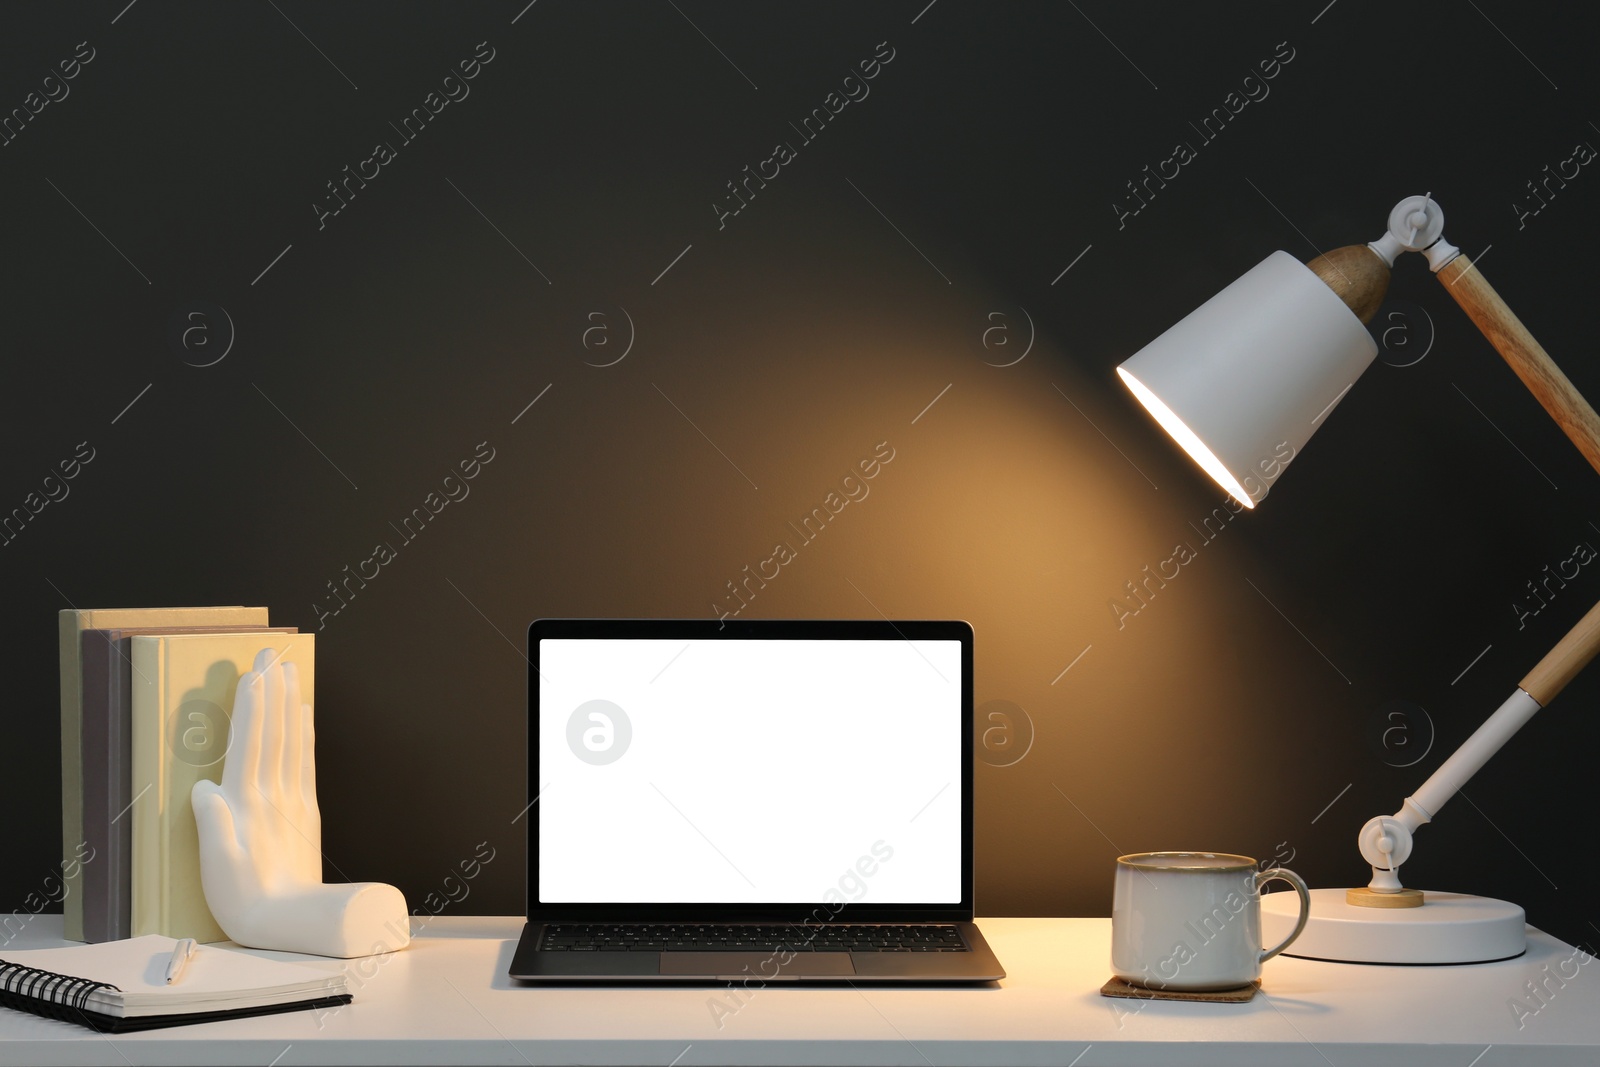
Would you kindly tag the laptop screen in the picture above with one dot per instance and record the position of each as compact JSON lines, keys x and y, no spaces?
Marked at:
{"x":759,"y":764}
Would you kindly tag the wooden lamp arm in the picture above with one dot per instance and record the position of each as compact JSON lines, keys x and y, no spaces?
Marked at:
{"x":1386,"y":841}
{"x":1468,"y":287}
{"x":1563,"y":662}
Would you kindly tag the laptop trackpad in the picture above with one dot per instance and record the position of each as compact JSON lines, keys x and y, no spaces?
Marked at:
{"x":740,"y":966}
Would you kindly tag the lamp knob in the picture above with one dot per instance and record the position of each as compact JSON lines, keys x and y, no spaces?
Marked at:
{"x":1416,"y":222}
{"x":1385,"y":842}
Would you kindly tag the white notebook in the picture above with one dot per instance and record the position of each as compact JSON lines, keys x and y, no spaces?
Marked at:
{"x":121,"y":985}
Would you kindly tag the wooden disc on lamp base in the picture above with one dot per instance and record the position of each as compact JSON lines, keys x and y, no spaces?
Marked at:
{"x":1363,"y":897}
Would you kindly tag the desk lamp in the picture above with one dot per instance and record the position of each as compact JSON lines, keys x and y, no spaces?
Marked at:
{"x":1242,"y":383}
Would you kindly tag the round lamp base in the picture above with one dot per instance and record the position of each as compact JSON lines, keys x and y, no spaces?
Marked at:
{"x":1448,"y":928}
{"x":1362,"y":897}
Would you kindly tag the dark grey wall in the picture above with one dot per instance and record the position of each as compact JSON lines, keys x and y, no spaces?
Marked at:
{"x":1247,"y":707}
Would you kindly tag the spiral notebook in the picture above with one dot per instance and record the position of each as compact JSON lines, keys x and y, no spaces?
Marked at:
{"x":119,"y":986}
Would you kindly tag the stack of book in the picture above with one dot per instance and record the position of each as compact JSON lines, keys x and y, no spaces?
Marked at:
{"x":146,"y":695}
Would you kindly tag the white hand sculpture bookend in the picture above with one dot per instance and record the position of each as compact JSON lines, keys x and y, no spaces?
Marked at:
{"x":261,"y":835}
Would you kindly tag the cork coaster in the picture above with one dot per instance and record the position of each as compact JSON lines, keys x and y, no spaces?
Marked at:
{"x":1118,"y":988}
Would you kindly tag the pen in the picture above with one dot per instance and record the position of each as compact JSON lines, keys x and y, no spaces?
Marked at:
{"x":182,"y":953}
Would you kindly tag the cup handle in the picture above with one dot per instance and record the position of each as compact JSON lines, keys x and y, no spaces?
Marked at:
{"x":1283,"y":874}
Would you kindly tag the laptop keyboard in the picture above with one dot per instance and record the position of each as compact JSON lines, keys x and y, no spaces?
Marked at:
{"x":743,"y":937}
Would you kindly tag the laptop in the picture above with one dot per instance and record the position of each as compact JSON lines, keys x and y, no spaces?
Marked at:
{"x":727,"y":801}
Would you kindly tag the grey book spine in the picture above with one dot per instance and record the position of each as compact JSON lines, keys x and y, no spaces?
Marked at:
{"x":107,"y":859}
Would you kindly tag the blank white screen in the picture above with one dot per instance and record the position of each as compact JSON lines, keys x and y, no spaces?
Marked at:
{"x":758,"y":771}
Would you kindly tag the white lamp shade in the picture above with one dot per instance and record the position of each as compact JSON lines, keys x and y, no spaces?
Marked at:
{"x":1244,"y":381}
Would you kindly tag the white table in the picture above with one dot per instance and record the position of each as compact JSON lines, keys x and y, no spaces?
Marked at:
{"x":446,"y":1000}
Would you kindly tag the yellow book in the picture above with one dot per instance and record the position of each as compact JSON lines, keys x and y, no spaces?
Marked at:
{"x":70,"y":626}
{"x":183,"y":689}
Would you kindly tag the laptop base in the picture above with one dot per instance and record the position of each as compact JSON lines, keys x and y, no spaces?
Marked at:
{"x":978,"y":964}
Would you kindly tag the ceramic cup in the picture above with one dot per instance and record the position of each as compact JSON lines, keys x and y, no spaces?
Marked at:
{"x":1191,"y":921}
